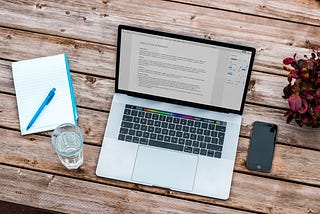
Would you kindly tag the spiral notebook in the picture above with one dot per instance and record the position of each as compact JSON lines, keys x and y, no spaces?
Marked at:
{"x":33,"y":79}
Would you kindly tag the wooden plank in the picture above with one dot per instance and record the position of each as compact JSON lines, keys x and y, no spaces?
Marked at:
{"x":23,"y":151}
{"x":297,"y":11}
{"x":248,"y":192}
{"x":97,"y":22}
{"x":68,"y":195}
{"x":89,"y":120}
{"x":289,"y":163}
{"x":86,"y":57}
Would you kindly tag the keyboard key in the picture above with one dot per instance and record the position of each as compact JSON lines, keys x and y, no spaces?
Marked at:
{"x":143,"y":141}
{"x":167,"y":138}
{"x":221,"y":128}
{"x":150,"y":122}
{"x":212,"y":126}
{"x":210,"y":153}
{"x":162,"y":117}
{"x":165,"y":145}
{"x":146,"y":134}
{"x":204,"y":125}
{"x":121,"y":137}
{"x":195,"y":143}
{"x":164,"y":125}
{"x":206,"y":132}
{"x":160,"y":137}
{"x":186,"y":135}
{"x":185,"y":128}
{"x":126,"y":125}
{"x":134,"y":113}
{"x":188,"y":149}
{"x":136,"y":126}
{"x":183,"y":121}
{"x":214,"y":140}
{"x":217,"y":154}
{"x":127,"y":111}
{"x":155,"y":116}
{"x":193,"y":130}
{"x":199,"y":131}
{"x":188,"y":142}
{"x":150,"y":129}
{"x":178,"y":134}
{"x":157,"y":130}
{"x":169,"y":119}
{"x":214,"y":133}
{"x":138,"y":133}
{"x":143,"y":128}
{"x":176,"y":120}
{"x":178,"y":127}
{"x":141,"y":114}
{"x":172,"y":133}
{"x":128,"y":138}
{"x":207,"y":139}
{"x":197,"y":124}
{"x":124,"y":131}
{"x":132,"y":132}
{"x":200,"y":137}
{"x":165,"y":131}
{"x":157,"y":123}
{"x":203,"y":152}
{"x":171,"y":126}
{"x":153,"y":136}
{"x":174,"y":140}
{"x":203,"y":145}
{"x":136,"y":119}
{"x":181,"y":141}
{"x":190,"y":122}
{"x":136,"y":140}
{"x":127,"y":118}
{"x":143,"y":121}
{"x":196,"y":151}
{"x":214,"y":147}
{"x":193,"y":136}
{"x":148,"y":115}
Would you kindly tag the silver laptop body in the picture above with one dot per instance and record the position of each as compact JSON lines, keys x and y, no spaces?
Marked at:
{"x":185,"y":80}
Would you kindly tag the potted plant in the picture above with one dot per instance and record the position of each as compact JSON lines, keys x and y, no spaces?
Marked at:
{"x":303,"y":89}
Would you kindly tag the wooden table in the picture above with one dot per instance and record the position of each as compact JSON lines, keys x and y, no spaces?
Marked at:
{"x":31,"y":173}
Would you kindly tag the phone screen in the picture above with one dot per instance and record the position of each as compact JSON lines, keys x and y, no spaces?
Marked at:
{"x":261,"y":149}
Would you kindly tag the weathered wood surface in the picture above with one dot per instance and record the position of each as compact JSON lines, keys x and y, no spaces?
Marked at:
{"x":96,"y":21}
{"x":21,"y":152}
{"x":296,"y":11}
{"x":31,"y":173}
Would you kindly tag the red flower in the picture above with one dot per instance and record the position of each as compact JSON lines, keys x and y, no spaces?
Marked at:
{"x":287,"y":60}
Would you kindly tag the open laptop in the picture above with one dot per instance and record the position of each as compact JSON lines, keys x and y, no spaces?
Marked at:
{"x":175,"y":117}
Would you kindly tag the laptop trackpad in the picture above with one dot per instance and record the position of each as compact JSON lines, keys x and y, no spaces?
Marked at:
{"x":165,"y":168}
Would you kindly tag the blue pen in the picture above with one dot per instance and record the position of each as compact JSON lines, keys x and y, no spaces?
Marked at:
{"x":45,"y":102}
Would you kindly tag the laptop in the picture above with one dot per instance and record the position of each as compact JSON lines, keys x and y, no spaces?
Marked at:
{"x":175,"y":116}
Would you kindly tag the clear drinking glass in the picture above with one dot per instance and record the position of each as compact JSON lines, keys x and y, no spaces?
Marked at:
{"x":67,"y":140}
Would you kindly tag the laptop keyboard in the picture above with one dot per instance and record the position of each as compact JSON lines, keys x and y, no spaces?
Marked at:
{"x":172,"y":131}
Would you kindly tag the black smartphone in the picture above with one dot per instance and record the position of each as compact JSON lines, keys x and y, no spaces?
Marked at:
{"x":261,"y":148}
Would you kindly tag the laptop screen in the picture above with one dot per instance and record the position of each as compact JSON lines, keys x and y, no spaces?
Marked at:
{"x":185,"y":69}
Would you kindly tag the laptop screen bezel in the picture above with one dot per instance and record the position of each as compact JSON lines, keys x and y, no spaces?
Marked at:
{"x":187,"y":38}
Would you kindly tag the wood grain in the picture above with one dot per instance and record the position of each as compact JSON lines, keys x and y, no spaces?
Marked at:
{"x":63,"y":194}
{"x":97,"y":22}
{"x":297,"y":11}
{"x":28,"y":152}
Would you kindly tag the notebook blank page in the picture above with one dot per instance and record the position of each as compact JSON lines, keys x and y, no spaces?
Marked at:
{"x":33,"y":79}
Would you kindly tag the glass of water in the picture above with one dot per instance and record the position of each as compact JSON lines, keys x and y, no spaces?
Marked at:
{"x":67,"y":140}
